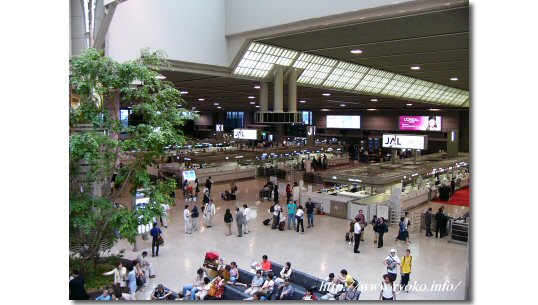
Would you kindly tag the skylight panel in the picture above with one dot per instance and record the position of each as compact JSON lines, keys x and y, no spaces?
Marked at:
{"x":316,"y":68}
{"x":417,"y":90}
{"x":259,"y":59}
{"x":434,"y":94}
{"x":398,"y":85}
{"x":346,"y":76}
{"x":374,"y":81}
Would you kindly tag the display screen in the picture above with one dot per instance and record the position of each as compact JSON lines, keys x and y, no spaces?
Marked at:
{"x":344,"y":121}
{"x":124,"y":117}
{"x":405,"y":141}
{"x":423,"y":123}
{"x":189,"y":175}
{"x":247,"y":134}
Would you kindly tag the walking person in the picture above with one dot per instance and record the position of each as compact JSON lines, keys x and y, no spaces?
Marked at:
{"x":194,"y":217}
{"x":276,"y":215}
{"x":155,"y":232}
{"x":310,"y":212}
{"x":208,"y":184}
{"x":382,"y":228}
{"x":375,"y":223}
{"x":288,"y":193}
{"x":387,"y":289}
{"x":407,"y":224}
{"x":275,"y":193}
{"x":228,"y":219}
{"x":428,"y":221}
{"x":357,"y":229}
{"x":239,"y":221}
{"x":246,"y":218}
{"x":391,"y":262}
{"x":187,"y":219}
{"x":299,"y":215}
{"x":407,"y":259}
{"x":292,"y":209}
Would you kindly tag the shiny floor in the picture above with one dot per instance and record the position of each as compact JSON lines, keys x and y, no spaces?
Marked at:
{"x":439,"y":267}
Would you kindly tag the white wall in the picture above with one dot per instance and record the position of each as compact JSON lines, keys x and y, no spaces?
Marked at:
{"x":248,"y":15}
{"x":187,"y":30}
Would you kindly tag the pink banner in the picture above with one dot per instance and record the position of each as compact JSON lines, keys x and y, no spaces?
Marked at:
{"x":424,"y":123}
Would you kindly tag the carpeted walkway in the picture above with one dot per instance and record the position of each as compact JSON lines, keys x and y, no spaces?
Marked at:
{"x":460,"y":198}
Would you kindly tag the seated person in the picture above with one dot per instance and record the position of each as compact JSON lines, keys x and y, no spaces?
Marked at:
{"x":284,"y":292}
{"x":345,"y":278}
{"x":352,"y":293}
{"x":162,"y":293}
{"x":104,"y":296}
{"x":266,"y":265}
{"x":118,"y":295}
{"x":198,"y":284}
{"x":267,"y":289}
{"x":202,"y":293}
{"x":257,"y":283}
{"x":310,"y":296}
{"x":285,"y":274}
{"x":256,"y":296}
{"x":330,"y":278}
{"x":217,"y":285}
{"x":226,"y":196}
{"x":333,"y":290}
{"x":234,"y":276}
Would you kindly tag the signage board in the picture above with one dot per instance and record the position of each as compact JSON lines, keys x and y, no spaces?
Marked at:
{"x":246,"y":134}
{"x":405,"y":141}
{"x":219,"y":128}
{"x":311,"y":130}
{"x":421,"y":123}
{"x":344,"y":121}
{"x":189,"y":175}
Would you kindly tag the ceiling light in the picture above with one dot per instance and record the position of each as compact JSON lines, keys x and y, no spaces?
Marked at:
{"x":409,"y":104}
{"x":371,"y":109}
{"x":251,"y":97}
{"x":201,"y":99}
{"x":415,"y":68}
{"x":252,"y":103}
{"x":219,"y":107}
{"x":216,"y":104}
{"x":326,"y":94}
{"x":159,"y":76}
{"x":454,"y":78}
{"x":256,"y":87}
{"x":183,"y":92}
{"x":374,"y":100}
{"x":356,"y":51}
{"x":257,"y":106}
{"x":324,"y":109}
{"x":434,"y":109}
{"x":302,"y":102}
{"x":342,"y":105}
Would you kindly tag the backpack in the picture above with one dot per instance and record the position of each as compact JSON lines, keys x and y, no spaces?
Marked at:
{"x":207,"y":183}
{"x":272,"y":209}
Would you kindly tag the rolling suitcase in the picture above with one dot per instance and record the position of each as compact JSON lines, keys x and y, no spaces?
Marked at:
{"x":266,"y":222}
{"x":281,"y":225}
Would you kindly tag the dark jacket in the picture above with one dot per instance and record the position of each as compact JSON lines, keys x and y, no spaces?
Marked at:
{"x":310,"y":208}
{"x":155,"y":231}
{"x":194,"y":212}
{"x":77,"y":290}
{"x":428,"y":218}
{"x":228,"y":218}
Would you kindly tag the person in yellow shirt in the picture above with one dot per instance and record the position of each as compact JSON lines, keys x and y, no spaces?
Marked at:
{"x":406,"y":260}
{"x":345,"y":278}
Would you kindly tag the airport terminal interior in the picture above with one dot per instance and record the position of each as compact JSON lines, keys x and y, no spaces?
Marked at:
{"x":237,"y":136}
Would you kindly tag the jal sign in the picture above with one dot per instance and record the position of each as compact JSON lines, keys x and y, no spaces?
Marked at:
{"x":246,"y":134}
{"x":219,"y":128}
{"x":405,"y":141}
{"x":311,"y":130}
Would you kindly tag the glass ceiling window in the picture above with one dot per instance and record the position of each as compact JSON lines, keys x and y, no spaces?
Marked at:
{"x":398,"y":85}
{"x":316,"y":68}
{"x":259,"y":59}
{"x":450,"y":96}
{"x":417,"y":90}
{"x":435,"y":92}
{"x":346,"y":76}
{"x":374,"y":81}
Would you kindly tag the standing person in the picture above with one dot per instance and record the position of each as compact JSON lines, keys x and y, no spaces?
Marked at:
{"x":292,"y":207}
{"x":375,"y":223}
{"x":208,"y":184}
{"x":206,"y":198}
{"x":439,"y":219}
{"x":197,"y":187}
{"x":228,"y":219}
{"x":406,"y":270}
{"x":357,"y":235}
{"x":155,"y":232}
{"x":310,"y":212}
{"x":246,"y":218}
{"x":77,"y":291}
{"x":131,"y":280}
{"x":402,"y":232}
{"x":276,"y":215}
{"x":382,"y":228}
{"x":407,"y":223}
{"x":233,"y":189}
{"x":165,"y":215}
{"x":275,"y":193}
{"x":351,"y":231}
{"x":239,"y":221}
{"x":120,"y":276}
{"x":452,"y":186}
{"x":184,"y":187}
{"x":187,"y":219}
{"x":387,"y":289}
{"x":209,"y":211}
{"x":444,"y":222}
{"x":428,"y":222}
{"x":147,"y":267}
{"x":362,"y":221}
{"x":296,"y":192}
{"x":194,"y":217}
{"x":288,"y":193}
{"x":300,"y":219}
{"x":391,"y":262}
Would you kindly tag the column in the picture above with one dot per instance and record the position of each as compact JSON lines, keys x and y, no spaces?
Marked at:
{"x":264,"y":96}
{"x":292,"y":91}
{"x":279,"y":90}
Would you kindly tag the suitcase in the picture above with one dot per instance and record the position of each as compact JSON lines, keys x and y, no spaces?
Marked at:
{"x":281,"y":225}
{"x":266,"y":222}
{"x":212,"y":255}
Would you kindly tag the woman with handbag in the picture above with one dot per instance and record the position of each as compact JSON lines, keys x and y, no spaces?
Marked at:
{"x":140,"y":275}
{"x":120,"y":276}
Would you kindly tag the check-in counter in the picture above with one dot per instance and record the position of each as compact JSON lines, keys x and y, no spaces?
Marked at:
{"x":414,"y":198}
{"x":334,"y":161}
{"x":226,"y":172}
{"x":335,"y":206}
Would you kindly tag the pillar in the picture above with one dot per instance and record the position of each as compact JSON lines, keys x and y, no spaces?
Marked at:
{"x":77,"y":30}
{"x":279,"y":90}
{"x":292,"y":91}
{"x":264,"y":97}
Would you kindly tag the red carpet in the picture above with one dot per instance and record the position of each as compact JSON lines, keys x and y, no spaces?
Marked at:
{"x":460,"y":197}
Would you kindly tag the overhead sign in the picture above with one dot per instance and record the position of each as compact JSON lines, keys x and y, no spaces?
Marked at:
{"x":423,"y":123}
{"x":189,"y":175}
{"x":219,"y":128}
{"x":344,"y":121}
{"x":246,"y":134}
{"x":311,"y":130}
{"x":405,"y":141}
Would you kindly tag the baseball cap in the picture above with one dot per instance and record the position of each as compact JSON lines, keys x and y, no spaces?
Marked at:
{"x":392,"y":250}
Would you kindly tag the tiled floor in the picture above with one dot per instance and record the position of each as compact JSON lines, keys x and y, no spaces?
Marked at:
{"x":319,"y":251}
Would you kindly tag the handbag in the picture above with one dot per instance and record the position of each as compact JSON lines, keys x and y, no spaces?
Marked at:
{"x":212,"y":290}
{"x":160,"y":240}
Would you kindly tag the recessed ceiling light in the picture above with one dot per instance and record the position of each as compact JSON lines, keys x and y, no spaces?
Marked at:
{"x":302,"y":101}
{"x":326,"y":94}
{"x":216,"y":104}
{"x":342,"y":105}
{"x":409,"y":104}
{"x":256,"y":87}
{"x":454,"y":78}
{"x":415,"y":68}
{"x":324,"y":109}
{"x":257,"y":106}
{"x":434,"y":109}
{"x":371,"y":109}
{"x":219,"y":107}
{"x":183,"y":92}
{"x":201,"y":99}
{"x":252,"y":103}
{"x":251,"y":97}
{"x":374,"y":100}
{"x":357,"y":51}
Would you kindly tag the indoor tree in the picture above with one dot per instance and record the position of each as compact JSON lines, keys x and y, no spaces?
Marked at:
{"x":96,"y":150}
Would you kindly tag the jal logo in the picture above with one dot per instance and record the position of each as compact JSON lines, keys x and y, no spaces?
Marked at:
{"x":220,"y":127}
{"x":411,"y":120}
{"x":239,"y":134}
{"x":390,"y":141}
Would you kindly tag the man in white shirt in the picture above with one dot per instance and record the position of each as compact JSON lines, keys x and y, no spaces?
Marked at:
{"x":147,"y":267}
{"x":357,"y":230}
{"x":268,"y":287}
{"x":246,"y":219}
{"x":187,"y":218}
{"x":334,"y":288}
{"x":276,"y":213}
{"x":391,"y":262}
{"x":165,"y":216}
